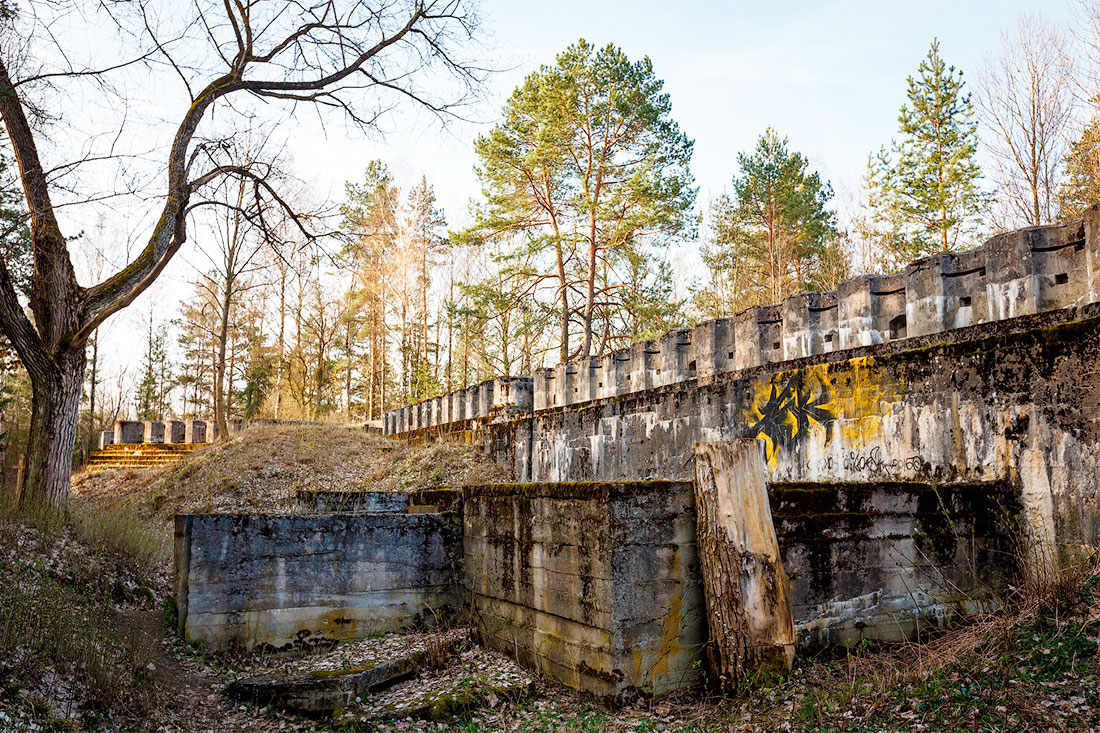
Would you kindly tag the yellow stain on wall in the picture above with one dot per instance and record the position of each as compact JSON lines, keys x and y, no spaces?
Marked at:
{"x":792,"y":409}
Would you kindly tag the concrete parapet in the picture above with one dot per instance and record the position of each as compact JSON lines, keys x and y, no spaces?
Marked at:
{"x":1015,"y":274}
{"x":809,"y":324}
{"x":676,"y":354}
{"x":129,"y":431}
{"x":152,"y":431}
{"x":106,"y":438}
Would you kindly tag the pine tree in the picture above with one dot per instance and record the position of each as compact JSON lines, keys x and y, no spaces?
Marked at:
{"x":774,"y":235}
{"x":586,"y":168}
{"x":1081,"y":186}
{"x":152,"y":392}
{"x":930,"y":175}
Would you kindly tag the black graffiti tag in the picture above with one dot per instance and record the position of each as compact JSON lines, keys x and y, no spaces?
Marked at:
{"x":872,"y":462}
{"x":791,"y":410}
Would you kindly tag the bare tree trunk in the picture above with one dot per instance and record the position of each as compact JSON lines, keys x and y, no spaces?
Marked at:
{"x":55,"y":406}
{"x":90,"y":440}
{"x":219,"y":365}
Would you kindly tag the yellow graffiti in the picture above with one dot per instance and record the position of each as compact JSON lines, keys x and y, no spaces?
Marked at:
{"x":792,"y":409}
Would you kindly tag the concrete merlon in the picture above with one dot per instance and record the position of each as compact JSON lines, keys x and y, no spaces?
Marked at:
{"x":712,"y":347}
{"x":485,"y":398}
{"x":563,"y":389}
{"x":675,"y":347}
{"x":614,"y":374}
{"x":129,"y":431}
{"x":758,"y":336}
{"x":175,"y":431}
{"x":888,"y":306}
{"x":1061,"y":265}
{"x":510,"y":394}
{"x":540,"y":388}
{"x":153,"y":431}
{"x":644,"y":358}
{"x":924,"y":294}
{"x":809,"y":324}
{"x":194,"y":431}
{"x":106,"y":438}
{"x":588,"y":376}
{"x":1010,"y":275}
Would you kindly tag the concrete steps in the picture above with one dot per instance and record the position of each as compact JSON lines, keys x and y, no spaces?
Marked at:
{"x":140,"y":455}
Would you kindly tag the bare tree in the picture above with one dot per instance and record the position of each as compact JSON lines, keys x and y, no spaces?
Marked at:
{"x":1026,"y":103}
{"x":355,"y":57}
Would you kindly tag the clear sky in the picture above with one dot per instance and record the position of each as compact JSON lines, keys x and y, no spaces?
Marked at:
{"x":829,"y":75}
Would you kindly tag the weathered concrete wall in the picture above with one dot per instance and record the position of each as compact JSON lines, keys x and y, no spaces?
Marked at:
{"x":1016,"y":274}
{"x":1016,"y":401}
{"x":279,"y":580}
{"x":880,"y":560}
{"x":595,"y":585}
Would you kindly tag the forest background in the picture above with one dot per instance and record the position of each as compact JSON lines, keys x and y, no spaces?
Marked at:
{"x":583,"y":223}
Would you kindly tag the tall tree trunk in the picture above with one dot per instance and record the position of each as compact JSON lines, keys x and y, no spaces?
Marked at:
{"x":90,"y":441}
{"x":280,"y":365}
{"x":590,"y":297}
{"x":219,"y":366}
{"x":55,"y":407}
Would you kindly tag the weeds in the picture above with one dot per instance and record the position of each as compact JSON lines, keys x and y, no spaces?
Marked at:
{"x":48,"y":630}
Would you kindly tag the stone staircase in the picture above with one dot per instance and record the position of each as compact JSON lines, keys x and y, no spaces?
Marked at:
{"x":139,"y":455}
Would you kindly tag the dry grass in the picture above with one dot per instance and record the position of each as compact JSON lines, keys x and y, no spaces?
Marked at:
{"x":261,"y":469}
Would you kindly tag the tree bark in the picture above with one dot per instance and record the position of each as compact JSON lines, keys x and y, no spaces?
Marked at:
{"x":748,"y":611}
{"x":55,"y":407}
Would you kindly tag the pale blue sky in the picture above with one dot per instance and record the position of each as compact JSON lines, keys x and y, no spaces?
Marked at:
{"x":829,"y":75}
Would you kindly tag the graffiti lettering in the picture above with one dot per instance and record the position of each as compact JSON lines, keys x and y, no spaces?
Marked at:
{"x":873,"y":463}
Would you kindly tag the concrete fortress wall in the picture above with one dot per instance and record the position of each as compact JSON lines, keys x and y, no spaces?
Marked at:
{"x":594,"y":584}
{"x":1015,"y":274}
{"x":280,"y":580}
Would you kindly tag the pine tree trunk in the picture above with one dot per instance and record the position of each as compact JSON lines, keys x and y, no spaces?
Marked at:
{"x":55,"y":409}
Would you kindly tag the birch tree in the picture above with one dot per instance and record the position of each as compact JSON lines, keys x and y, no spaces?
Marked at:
{"x":1025,"y":102}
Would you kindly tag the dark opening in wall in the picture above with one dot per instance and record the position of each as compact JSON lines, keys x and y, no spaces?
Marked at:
{"x":691,"y":369}
{"x":1061,"y":278}
{"x":897,"y":327}
{"x":964,"y":302}
{"x":775,"y":345}
{"x":828,"y":338}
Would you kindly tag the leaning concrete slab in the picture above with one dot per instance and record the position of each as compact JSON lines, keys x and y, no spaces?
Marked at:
{"x":748,"y":606}
{"x":292,"y":580}
{"x":335,"y":678}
